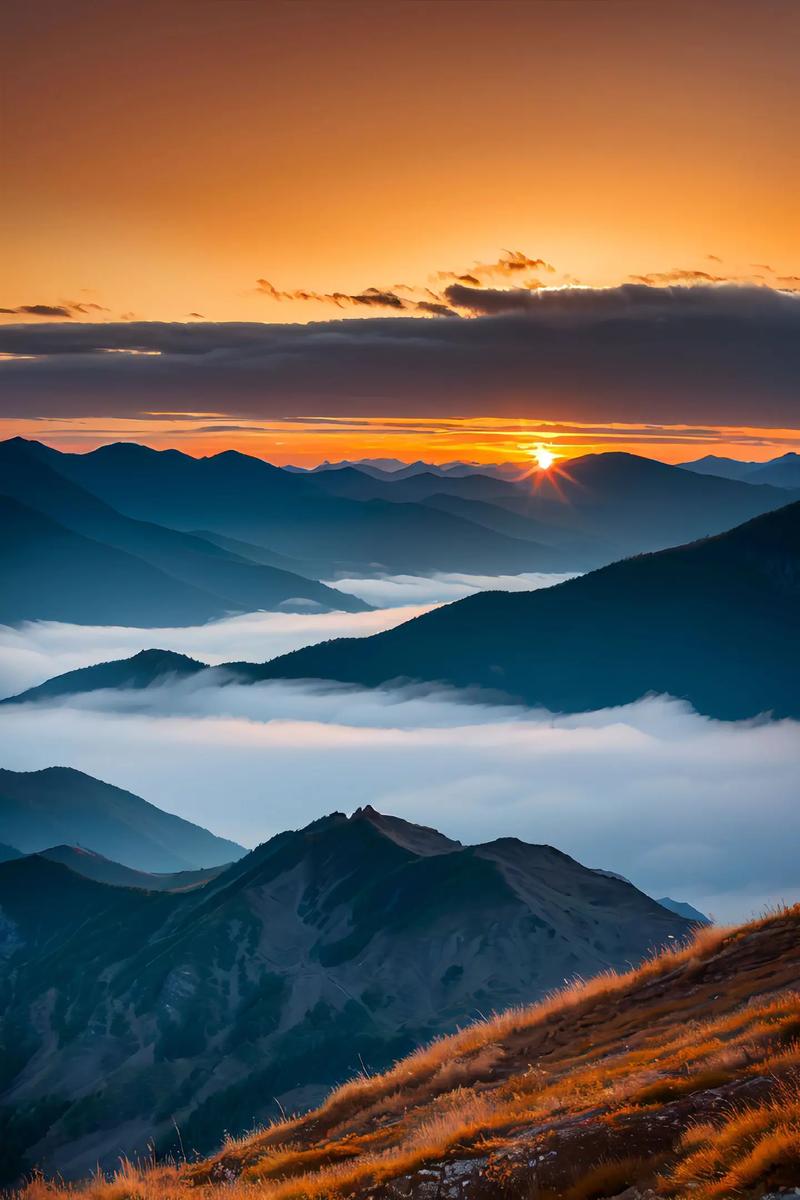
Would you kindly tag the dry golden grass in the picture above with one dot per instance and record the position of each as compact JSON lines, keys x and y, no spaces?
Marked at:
{"x":682,"y":1075}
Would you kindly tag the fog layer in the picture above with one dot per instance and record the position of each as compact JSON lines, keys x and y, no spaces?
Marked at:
{"x":696,"y":809}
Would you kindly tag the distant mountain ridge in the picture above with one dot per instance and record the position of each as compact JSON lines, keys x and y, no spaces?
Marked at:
{"x":324,"y":951}
{"x":783,"y":471}
{"x":66,"y":554}
{"x":250,"y":501}
{"x":360,"y":519}
{"x":716,"y":623}
{"x":95,"y":866}
{"x":58,"y":805}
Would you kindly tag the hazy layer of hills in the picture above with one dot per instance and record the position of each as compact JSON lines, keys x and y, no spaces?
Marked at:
{"x":56,"y":806}
{"x":716,"y":622}
{"x":778,"y":472}
{"x":340,"y":946}
{"x":112,"y":536}
{"x":104,"y":870}
{"x":66,"y":555}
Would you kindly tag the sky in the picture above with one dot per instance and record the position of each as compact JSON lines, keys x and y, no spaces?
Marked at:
{"x":313,"y":230}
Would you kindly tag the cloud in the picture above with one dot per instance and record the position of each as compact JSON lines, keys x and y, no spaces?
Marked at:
{"x":38,"y":310}
{"x":65,"y":311}
{"x":408,"y":298}
{"x":390,"y":590}
{"x":717,"y":354}
{"x":684,"y":806}
{"x":681,"y":275}
{"x":38,"y":650}
{"x":370,"y":298}
{"x":510,"y":264}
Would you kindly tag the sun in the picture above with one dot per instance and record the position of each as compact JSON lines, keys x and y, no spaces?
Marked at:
{"x":544,"y":458}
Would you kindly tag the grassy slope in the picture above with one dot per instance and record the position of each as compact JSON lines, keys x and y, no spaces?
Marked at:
{"x":682,"y":1076}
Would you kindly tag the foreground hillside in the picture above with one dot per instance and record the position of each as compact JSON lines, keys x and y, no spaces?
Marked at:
{"x":681,"y":1078}
{"x":348,"y":943}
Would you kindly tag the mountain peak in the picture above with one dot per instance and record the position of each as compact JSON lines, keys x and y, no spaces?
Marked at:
{"x":418,"y":839}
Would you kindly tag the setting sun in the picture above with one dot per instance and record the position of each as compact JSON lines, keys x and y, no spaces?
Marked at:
{"x":544,"y":458}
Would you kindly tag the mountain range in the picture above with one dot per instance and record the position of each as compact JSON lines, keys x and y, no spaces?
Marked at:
{"x":58,"y":805}
{"x":128,"y":1013}
{"x":129,"y":534}
{"x":716,"y":623}
{"x":67,"y":555}
{"x":777,"y":472}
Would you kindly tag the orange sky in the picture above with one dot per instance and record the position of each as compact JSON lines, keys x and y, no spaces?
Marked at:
{"x":477,"y":440}
{"x":163,"y":157}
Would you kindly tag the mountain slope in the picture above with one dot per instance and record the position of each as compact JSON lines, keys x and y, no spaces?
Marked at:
{"x":637,"y":504}
{"x":142,"y":670}
{"x":780,"y":472}
{"x":680,"y":1078}
{"x":683,"y":910}
{"x":783,"y":472}
{"x":247,"y":499}
{"x":104,"y":870}
{"x":9,"y":853}
{"x":349,"y":942}
{"x":725,"y":468}
{"x":40,"y":809}
{"x":716,"y":622}
{"x":50,"y":573}
{"x":220,"y":581}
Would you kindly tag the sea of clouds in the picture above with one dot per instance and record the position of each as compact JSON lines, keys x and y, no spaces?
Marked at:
{"x":38,"y":650}
{"x":685,"y":806}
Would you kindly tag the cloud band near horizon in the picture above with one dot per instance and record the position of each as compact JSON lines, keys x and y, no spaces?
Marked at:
{"x":717,"y":354}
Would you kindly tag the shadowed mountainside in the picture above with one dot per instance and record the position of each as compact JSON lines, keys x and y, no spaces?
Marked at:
{"x":716,"y":623}
{"x":65,"y":554}
{"x":104,"y":870}
{"x":679,"y":1078}
{"x":251,"y":501}
{"x":60,"y":806}
{"x":342,"y":945}
{"x":583,"y":513}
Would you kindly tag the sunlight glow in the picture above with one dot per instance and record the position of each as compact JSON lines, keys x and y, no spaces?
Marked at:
{"x":544,"y":458}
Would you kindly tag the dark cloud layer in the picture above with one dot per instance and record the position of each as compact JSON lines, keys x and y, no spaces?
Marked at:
{"x":716,"y":354}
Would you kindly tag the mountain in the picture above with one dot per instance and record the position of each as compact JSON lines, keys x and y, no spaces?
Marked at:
{"x":635,"y":505}
{"x":204,"y":581}
{"x":782,"y":472}
{"x":595,"y":509}
{"x":142,"y":670}
{"x":684,"y":910}
{"x":7,"y":853}
{"x":294,"y":515}
{"x":725,"y":468}
{"x":41,"y":809}
{"x":716,"y":622}
{"x":50,"y":573}
{"x":128,"y":1013}
{"x":105,"y":870}
{"x":589,"y":510}
{"x":677,"y":1079}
